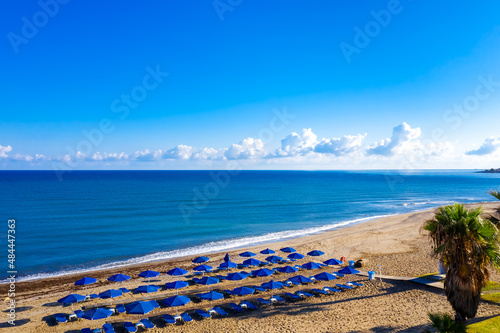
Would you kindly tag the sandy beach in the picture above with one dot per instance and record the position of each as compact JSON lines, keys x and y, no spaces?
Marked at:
{"x":396,"y":243}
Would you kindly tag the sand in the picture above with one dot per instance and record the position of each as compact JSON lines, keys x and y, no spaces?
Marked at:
{"x":396,"y":244}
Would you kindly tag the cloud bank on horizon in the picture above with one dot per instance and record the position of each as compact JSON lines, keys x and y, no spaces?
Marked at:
{"x":406,"y":148}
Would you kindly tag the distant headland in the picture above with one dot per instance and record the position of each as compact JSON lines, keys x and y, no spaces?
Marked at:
{"x":490,"y":171}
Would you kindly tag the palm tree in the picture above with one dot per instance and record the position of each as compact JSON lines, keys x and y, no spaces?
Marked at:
{"x":467,"y":244}
{"x":494,"y":218}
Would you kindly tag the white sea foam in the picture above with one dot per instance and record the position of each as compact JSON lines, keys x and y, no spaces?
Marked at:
{"x":211,"y":247}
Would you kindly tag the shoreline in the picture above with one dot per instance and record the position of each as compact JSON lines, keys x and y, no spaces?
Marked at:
{"x":156,"y":262}
{"x":396,"y":244}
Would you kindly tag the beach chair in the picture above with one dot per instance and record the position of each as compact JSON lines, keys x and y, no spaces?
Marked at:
{"x":203,"y":314}
{"x":259,"y":289}
{"x":220,"y":311}
{"x":319,"y":291}
{"x":186,"y":317}
{"x":108,"y":328}
{"x":96,"y":330}
{"x":235,"y":307}
{"x":356,"y":284}
{"x":168,"y":319}
{"x":129,"y":327}
{"x":248,"y":305}
{"x":304,"y":294}
{"x":147,"y":324}
{"x":61,"y":318}
{"x":86,"y":330}
{"x":343,"y":286}
{"x":332,"y":290}
{"x":124,"y":290}
{"x":277,"y":299}
{"x":338,"y":274}
{"x":120,"y":308}
{"x":221,"y":277}
{"x":263,"y":302}
{"x":292,"y":297}
{"x":298,"y":267}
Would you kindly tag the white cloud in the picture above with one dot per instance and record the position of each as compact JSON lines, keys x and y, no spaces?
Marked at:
{"x":109,"y":156}
{"x":208,"y":154}
{"x":4,"y":151}
{"x":489,"y":146}
{"x":247,"y":149}
{"x":147,"y":155}
{"x":340,"y":146}
{"x":400,"y":142}
{"x":298,"y":144}
{"x":181,"y":152}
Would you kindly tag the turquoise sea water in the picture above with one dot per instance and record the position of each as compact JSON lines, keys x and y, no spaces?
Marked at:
{"x":111,"y":218}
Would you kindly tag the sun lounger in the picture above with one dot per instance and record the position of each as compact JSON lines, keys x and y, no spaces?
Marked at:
{"x":108,"y":328}
{"x":96,"y":330}
{"x":61,"y":318}
{"x":94,"y":296}
{"x":203,"y":314}
{"x":187,"y":318}
{"x":263,"y":301}
{"x":332,"y":290}
{"x":259,"y":289}
{"x":319,"y":291}
{"x":277,"y":299}
{"x":338,"y":274}
{"x":292,"y":297}
{"x":248,"y":305}
{"x":298,"y":267}
{"x":220,"y":311}
{"x":146,"y":323}
{"x":235,"y":307}
{"x":221,"y":277}
{"x":356,"y":284}
{"x":129,"y":327}
{"x":120,"y":308}
{"x":304,"y":294}
{"x":86,"y":330}
{"x":168,"y":319}
{"x":343,"y":286}
{"x":79,"y":314}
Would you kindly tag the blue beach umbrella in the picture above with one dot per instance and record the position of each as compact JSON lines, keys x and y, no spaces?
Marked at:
{"x":324,"y":276}
{"x":70,"y":299}
{"x":262,"y":272}
{"x":96,"y":314}
{"x":118,"y":278}
{"x":348,"y":270}
{"x":85,"y":281}
{"x":139,"y":307}
{"x":252,"y":262}
{"x":299,"y":279}
{"x":242,"y":291}
{"x":287,"y":269}
{"x":176,"y":301}
{"x":200,"y":260}
{"x":203,"y":268}
{"x":271,"y":285}
{"x":315,"y":253}
{"x":332,"y":262}
{"x":295,"y":256}
{"x":228,"y":264}
{"x":236,"y":277}
{"x":211,"y":296}
{"x":177,"y":272}
{"x":147,"y":289}
{"x":149,"y":274}
{"x":267,"y":251}
{"x":176,"y":285}
{"x":288,"y":250}
{"x":247,"y":254}
{"x":274,"y":259}
{"x":111,"y":293}
{"x":312,"y":265}
{"x":207,"y":281}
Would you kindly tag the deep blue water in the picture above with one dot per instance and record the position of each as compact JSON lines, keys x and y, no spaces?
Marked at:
{"x":109,"y":218}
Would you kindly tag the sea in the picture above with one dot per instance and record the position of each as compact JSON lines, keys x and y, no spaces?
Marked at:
{"x":90,"y":220}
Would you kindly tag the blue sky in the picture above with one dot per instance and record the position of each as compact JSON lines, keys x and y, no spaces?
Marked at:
{"x":392,"y":100}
